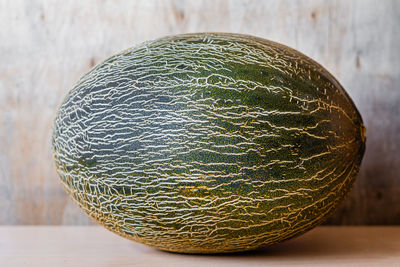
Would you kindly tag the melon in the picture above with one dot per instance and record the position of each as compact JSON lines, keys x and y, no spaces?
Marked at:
{"x":208,"y":143}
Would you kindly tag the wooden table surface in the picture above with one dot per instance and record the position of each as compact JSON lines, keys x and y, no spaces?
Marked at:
{"x":95,"y":246}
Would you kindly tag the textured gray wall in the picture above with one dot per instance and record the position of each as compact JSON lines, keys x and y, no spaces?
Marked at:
{"x":46,"y":46}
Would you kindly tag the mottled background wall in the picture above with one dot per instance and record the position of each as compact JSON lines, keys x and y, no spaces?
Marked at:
{"x":45,"y":46}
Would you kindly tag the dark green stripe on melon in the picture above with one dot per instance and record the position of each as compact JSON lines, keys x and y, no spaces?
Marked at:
{"x":208,"y":142}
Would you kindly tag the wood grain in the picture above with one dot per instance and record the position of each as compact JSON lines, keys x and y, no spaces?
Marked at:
{"x":46,"y":46}
{"x":95,"y":246}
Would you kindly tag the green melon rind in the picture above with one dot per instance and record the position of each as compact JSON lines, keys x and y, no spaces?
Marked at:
{"x":208,"y":143}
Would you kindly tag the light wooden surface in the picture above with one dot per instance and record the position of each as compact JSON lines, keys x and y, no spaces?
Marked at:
{"x":46,"y":46}
{"x":95,"y":246}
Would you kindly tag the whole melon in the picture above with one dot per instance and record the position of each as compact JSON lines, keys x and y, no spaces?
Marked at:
{"x":208,"y":143}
